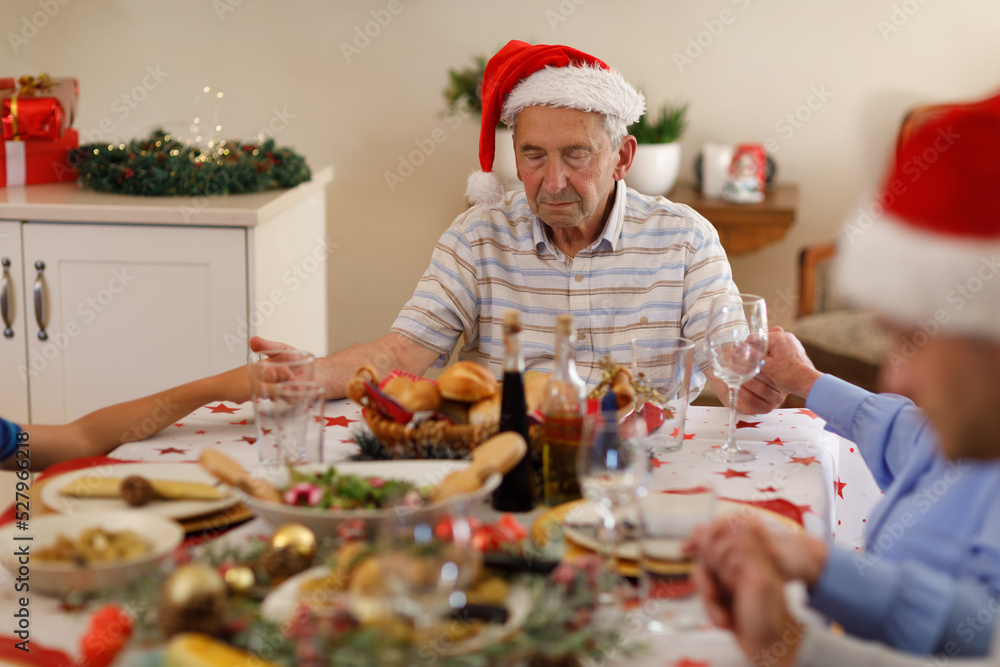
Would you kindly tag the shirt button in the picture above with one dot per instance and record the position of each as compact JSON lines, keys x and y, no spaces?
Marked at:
{"x":643,"y":320}
{"x":581,"y":336}
{"x":579,"y":277}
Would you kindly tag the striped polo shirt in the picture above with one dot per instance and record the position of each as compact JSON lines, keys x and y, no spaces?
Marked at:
{"x":651,"y":274}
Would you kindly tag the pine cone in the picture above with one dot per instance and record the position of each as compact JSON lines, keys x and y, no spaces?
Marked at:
{"x":281,"y":564}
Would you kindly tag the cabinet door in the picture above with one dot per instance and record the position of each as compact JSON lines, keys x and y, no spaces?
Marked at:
{"x":13,"y":371}
{"x":130,"y":310}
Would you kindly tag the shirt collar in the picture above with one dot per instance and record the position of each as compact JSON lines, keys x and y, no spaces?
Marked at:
{"x":609,"y":237}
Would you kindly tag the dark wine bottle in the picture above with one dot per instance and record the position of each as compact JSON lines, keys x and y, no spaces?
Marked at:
{"x":516,"y":492}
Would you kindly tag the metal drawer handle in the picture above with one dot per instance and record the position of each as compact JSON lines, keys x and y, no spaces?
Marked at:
{"x":40,"y":300}
{"x":5,"y":299}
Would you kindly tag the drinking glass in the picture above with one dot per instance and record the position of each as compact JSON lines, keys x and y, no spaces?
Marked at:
{"x":428,"y":561}
{"x":612,"y":465}
{"x":736,"y":338}
{"x":662,"y":370}
{"x":303,"y":403}
{"x":267,"y":372}
{"x":668,"y":521}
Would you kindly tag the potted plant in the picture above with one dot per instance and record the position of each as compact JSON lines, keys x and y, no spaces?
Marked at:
{"x":464,"y":95}
{"x":657,"y":160}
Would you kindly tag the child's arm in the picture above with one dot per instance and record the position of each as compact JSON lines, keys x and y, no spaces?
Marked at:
{"x":101,"y":431}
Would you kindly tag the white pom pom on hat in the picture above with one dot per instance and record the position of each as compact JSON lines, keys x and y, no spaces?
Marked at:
{"x":522,"y":75}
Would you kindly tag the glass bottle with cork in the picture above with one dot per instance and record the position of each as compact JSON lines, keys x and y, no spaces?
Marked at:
{"x":563,"y":406}
{"x":516,"y":492}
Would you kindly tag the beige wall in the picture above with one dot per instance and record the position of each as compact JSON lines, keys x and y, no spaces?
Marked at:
{"x":365,"y":111}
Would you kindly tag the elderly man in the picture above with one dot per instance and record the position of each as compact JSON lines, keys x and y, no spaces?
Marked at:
{"x":575,"y":240}
{"x":911,"y":265}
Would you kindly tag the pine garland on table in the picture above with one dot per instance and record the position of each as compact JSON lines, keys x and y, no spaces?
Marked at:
{"x":162,"y":166}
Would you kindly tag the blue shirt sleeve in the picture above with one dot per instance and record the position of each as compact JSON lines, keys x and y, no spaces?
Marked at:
{"x":8,"y":438}
{"x":886,"y":427}
{"x":929,"y":572}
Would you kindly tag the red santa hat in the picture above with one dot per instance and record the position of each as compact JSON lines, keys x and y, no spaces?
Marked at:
{"x":926,"y":250}
{"x":521,"y":75}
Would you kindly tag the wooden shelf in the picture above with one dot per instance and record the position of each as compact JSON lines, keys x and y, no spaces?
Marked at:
{"x":744,"y":227}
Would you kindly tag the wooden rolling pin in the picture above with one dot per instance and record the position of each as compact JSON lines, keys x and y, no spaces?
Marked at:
{"x":498,"y":454}
{"x":232,"y":473}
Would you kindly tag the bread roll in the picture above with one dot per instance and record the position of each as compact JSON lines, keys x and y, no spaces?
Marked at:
{"x":486,"y":410}
{"x":414,"y":395}
{"x":467,"y":381}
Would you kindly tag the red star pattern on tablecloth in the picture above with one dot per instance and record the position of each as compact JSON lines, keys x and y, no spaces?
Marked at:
{"x":730,"y":473}
{"x":242,"y":423}
{"x":769,"y":489}
{"x":776,"y":441}
{"x":179,"y":424}
{"x":221,"y":408}
{"x":657,"y":462}
{"x":249,"y":439}
{"x":688,"y":662}
{"x":687,"y":436}
{"x":743,"y":424}
{"x":807,"y":413}
{"x":804,"y":460}
{"x":338,"y":421}
{"x":838,"y":487}
{"x":199,"y":433}
{"x":170,"y":450}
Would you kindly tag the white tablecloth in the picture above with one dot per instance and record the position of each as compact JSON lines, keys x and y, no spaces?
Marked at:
{"x":798,"y":468}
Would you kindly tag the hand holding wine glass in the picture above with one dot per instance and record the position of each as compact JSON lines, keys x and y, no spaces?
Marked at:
{"x":737,"y":344}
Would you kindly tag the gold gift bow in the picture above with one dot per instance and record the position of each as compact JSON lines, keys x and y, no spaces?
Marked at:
{"x":27,"y":85}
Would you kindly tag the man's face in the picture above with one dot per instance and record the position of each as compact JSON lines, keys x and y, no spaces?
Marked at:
{"x":567,"y":164}
{"x":956,"y":381}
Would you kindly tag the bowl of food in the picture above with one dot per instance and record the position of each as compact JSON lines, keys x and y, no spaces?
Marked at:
{"x":82,"y":553}
{"x":322,"y":497}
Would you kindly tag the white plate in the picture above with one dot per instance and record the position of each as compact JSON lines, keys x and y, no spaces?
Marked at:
{"x":580,"y":525}
{"x":324,"y":522}
{"x":174,"y":509}
{"x":56,"y":578}
{"x":280,"y":604}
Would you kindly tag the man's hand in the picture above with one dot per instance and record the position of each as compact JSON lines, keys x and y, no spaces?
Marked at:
{"x":787,"y":368}
{"x":743,"y":591}
{"x":756,"y":396}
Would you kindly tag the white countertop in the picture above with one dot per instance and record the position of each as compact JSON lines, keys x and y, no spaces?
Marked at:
{"x":68,"y":202}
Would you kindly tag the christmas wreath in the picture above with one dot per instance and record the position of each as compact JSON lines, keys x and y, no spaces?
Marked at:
{"x":161,"y":166}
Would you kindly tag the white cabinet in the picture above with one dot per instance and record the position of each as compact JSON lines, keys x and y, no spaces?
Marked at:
{"x":112,"y":297}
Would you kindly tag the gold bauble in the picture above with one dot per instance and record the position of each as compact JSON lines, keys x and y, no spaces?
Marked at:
{"x":239,"y":578}
{"x":194,"y":581}
{"x":296,"y":538}
{"x":193,"y":600}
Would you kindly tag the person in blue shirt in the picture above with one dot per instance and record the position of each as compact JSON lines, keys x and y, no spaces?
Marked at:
{"x":932,"y":548}
{"x":924,"y":257}
{"x":103,"y":430}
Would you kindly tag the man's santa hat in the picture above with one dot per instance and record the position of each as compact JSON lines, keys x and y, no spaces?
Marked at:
{"x":521,"y":75}
{"x":926,"y":249}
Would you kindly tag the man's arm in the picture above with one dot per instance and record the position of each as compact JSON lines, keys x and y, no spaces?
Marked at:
{"x":385,"y":354}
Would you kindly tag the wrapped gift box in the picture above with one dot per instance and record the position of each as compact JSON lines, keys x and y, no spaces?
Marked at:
{"x":37,"y":161}
{"x":37,"y":108}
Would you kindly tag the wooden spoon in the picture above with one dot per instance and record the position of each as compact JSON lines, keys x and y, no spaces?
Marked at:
{"x":498,"y":454}
{"x":232,"y":473}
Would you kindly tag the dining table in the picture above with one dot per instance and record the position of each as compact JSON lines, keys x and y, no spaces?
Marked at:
{"x":798,"y":478}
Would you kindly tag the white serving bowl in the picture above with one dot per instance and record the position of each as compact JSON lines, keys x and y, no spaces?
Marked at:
{"x":59,"y":578}
{"x":324,"y":522}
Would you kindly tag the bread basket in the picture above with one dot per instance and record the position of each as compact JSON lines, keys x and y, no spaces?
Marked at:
{"x":404,"y":441}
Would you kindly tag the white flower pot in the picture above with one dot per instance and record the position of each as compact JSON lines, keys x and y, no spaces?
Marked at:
{"x":655,"y":168}
{"x":503,"y":160}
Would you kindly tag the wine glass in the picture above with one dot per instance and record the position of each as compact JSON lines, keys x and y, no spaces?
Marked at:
{"x":428,"y":561}
{"x":612,"y":466}
{"x":737,"y":343}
